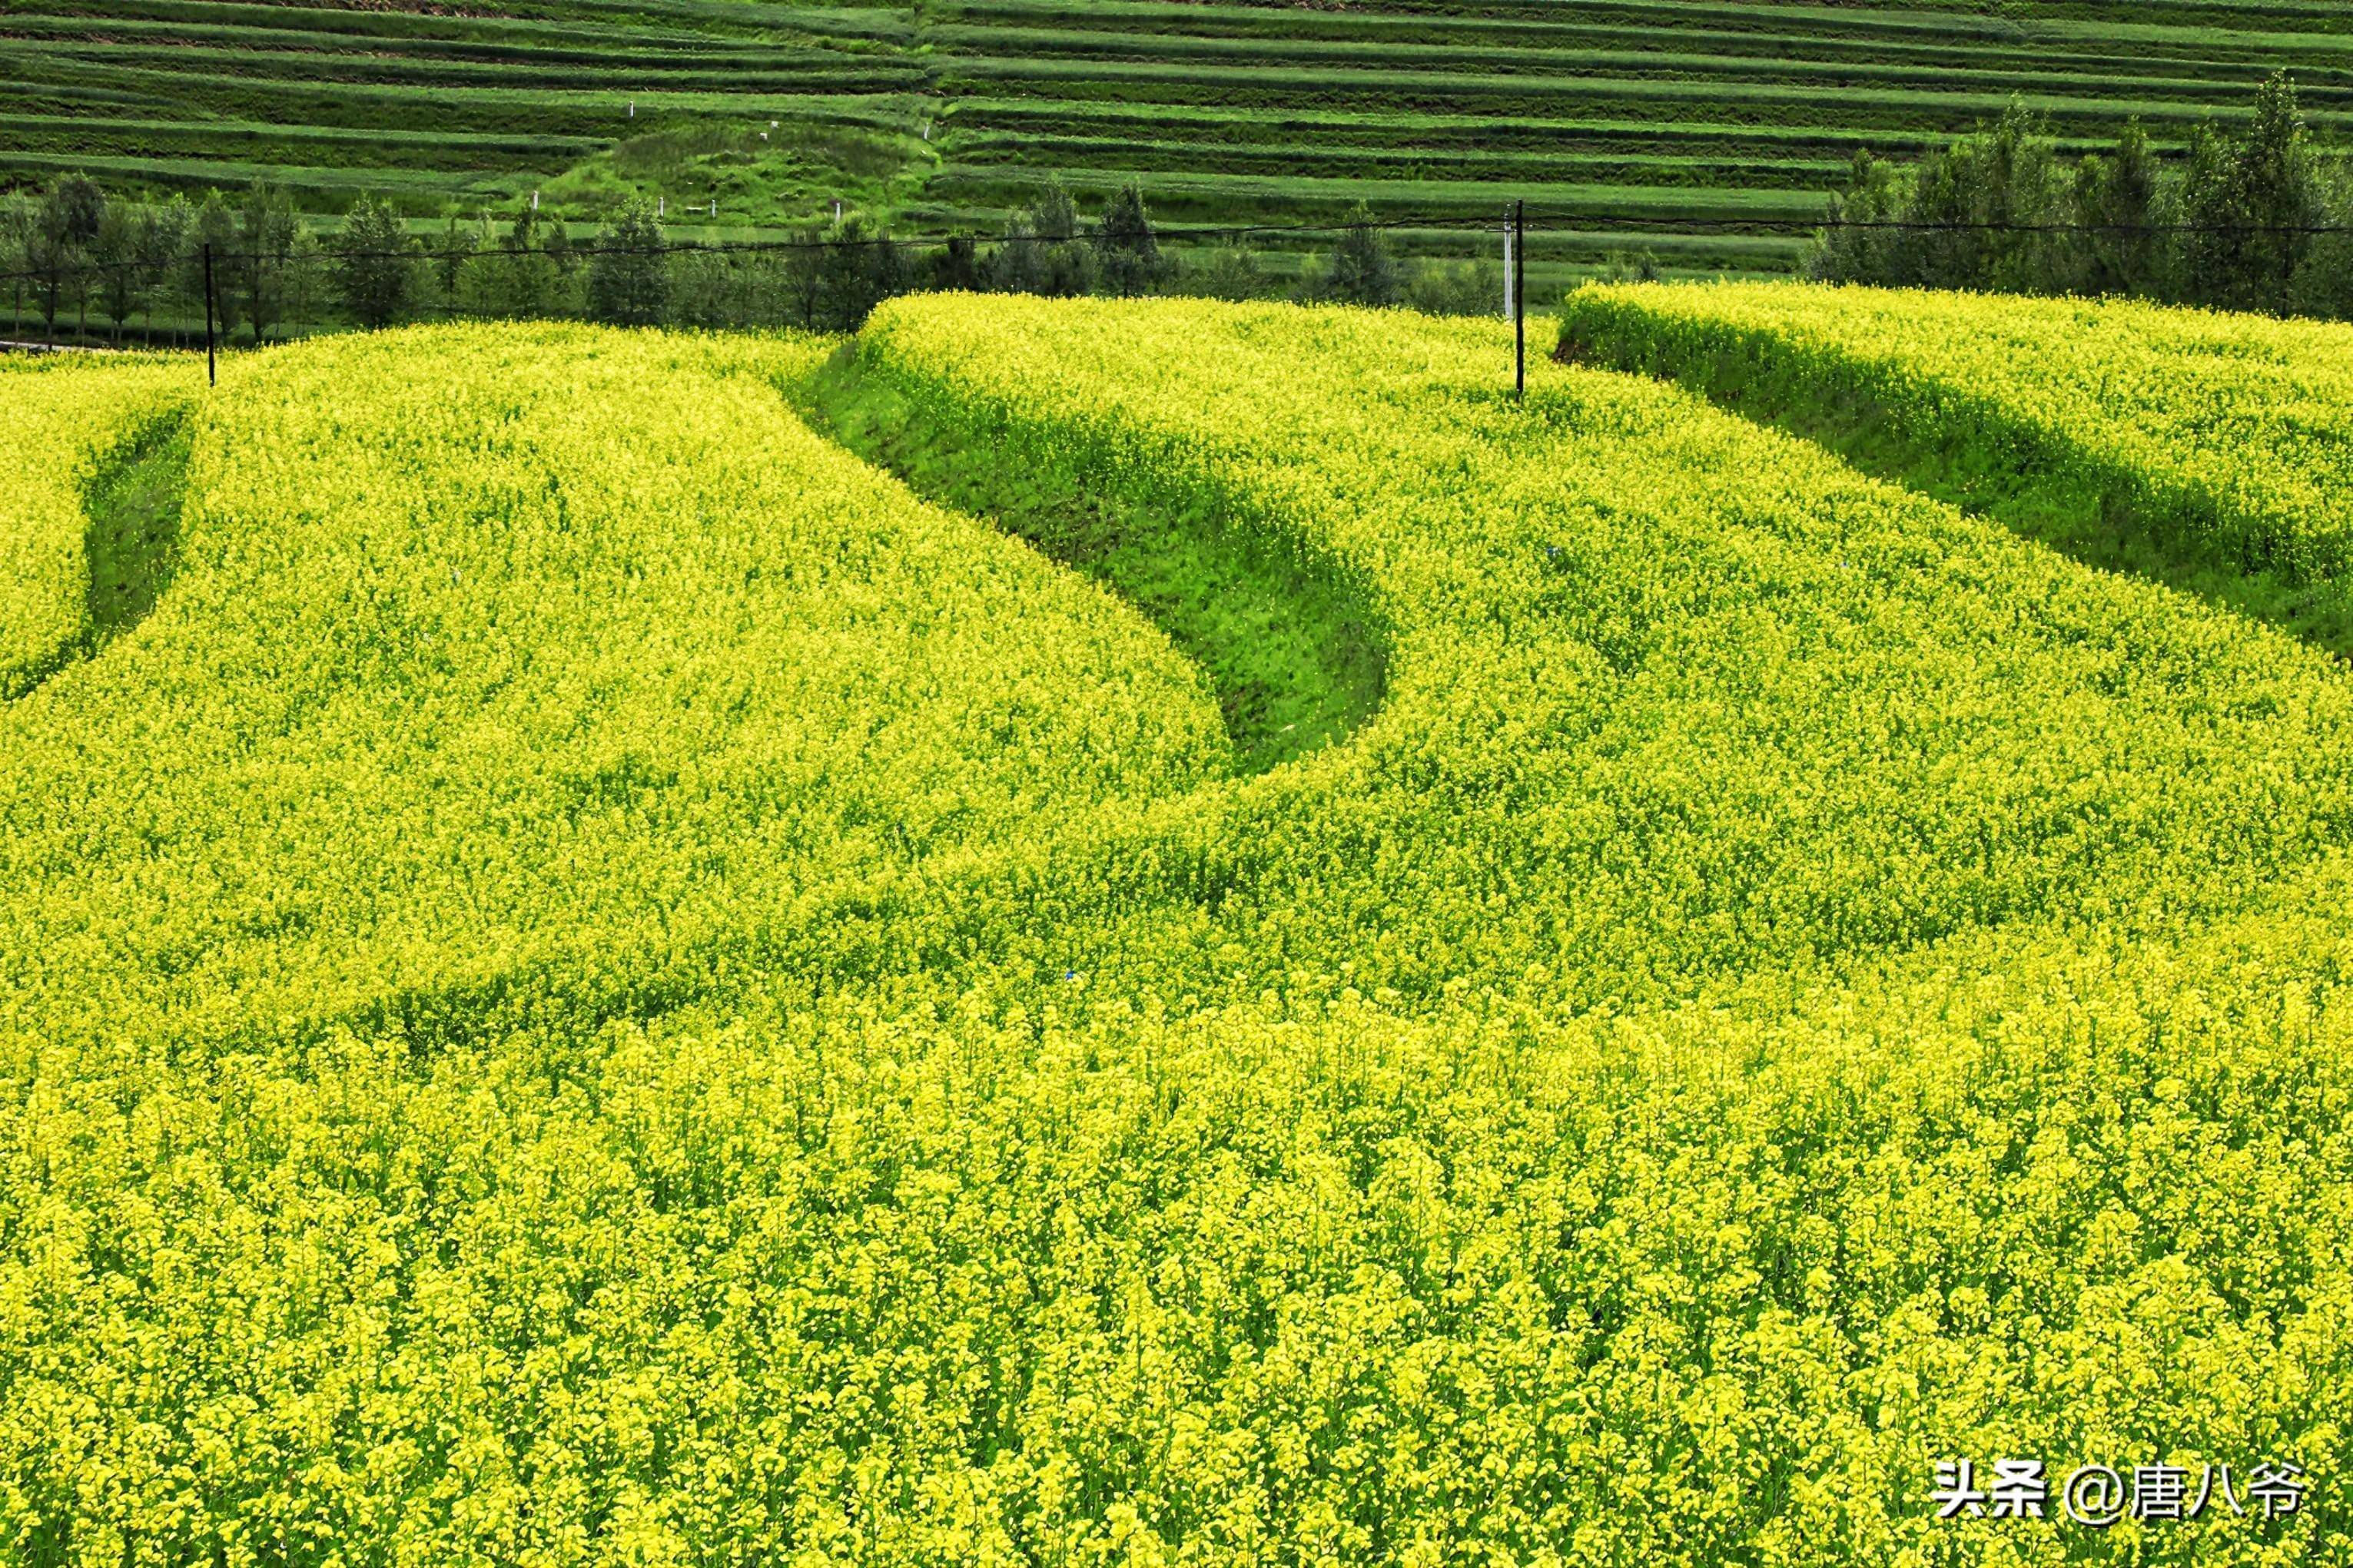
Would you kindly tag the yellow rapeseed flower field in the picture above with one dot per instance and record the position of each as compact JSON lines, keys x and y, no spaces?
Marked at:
{"x":2232,"y":429}
{"x":64,"y":418}
{"x":599,"y":983}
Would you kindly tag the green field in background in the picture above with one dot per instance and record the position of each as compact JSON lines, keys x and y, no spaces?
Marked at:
{"x":1619,"y":117}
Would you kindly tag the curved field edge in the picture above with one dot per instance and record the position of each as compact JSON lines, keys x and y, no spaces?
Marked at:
{"x":133,"y":503}
{"x":1695,"y":1285}
{"x":1975,"y":454}
{"x":1290,"y":641}
{"x":365,"y":565}
{"x":130,"y":504}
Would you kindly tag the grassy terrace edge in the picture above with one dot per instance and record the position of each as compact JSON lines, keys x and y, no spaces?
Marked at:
{"x":132,"y":500}
{"x":1295,"y":648}
{"x":1970,"y":452}
{"x":133,"y":504}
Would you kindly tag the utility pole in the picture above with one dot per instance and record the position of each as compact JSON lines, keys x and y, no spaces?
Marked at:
{"x":212,"y":374}
{"x":1519,"y":300}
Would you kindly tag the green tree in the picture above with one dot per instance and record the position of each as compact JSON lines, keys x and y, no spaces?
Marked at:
{"x":1857,"y":245}
{"x":452,"y":249}
{"x":266,"y":227}
{"x":1457,"y":287}
{"x":1638,"y":267}
{"x":2324,"y":282}
{"x":304,"y":279}
{"x":374,"y":269}
{"x":628,"y":280}
{"x":163,"y":258}
{"x":1362,"y":270}
{"x":215,"y":228}
{"x":956,"y":268}
{"x":65,"y":228}
{"x":1043,"y":252}
{"x":860,"y":270}
{"x":805,"y":279}
{"x":1127,"y":255}
{"x":2116,"y":202}
{"x":1065,"y":262}
{"x":117,"y":254}
{"x":702,"y":289}
{"x":1983,"y":212}
{"x":2246,"y":201}
{"x":1012,"y":266}
{"x":2279,"y":195}
{"x":523,"y":285}
{"x":564,"y":297}
{"x":18,"y":219}
{"x":1232,"y":272}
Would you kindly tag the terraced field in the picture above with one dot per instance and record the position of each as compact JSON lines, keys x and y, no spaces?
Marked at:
{"x":1623,"y":119}
{"x":1096,"y":932}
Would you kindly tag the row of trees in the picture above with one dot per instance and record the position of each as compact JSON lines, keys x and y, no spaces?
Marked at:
{"x":829,"y":279}
{"x":70,"y":254}
{"x":74,"y":257}
{"x":2241,"y":224}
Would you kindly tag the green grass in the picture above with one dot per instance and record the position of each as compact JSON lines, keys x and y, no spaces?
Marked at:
{"x":2071,"y":510}
{"x":941,"y":114}
{"x":128,"y":547}
{"x":760,"y":174}
{"x":133,"y":503}
{"x":1291,"y":650}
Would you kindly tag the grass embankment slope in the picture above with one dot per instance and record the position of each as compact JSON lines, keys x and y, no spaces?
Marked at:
{"x":2204,"y":451}
{"x":658,"y":998}
{"x":86,"y":522}
{"x":1236,"y":111}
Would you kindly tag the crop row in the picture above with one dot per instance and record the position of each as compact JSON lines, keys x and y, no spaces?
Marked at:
{"x":1604,"y":52}
{"x":1889,"y":77}
{"x":1666,"y":98}
{"x":2311,"y":16}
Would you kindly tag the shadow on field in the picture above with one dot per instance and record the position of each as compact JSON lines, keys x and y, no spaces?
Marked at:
{"x":132,"y":502}
{"x":2071,"y":502}
{"x":1294,"y":652}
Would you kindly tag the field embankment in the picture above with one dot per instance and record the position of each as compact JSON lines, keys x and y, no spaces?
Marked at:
{"x":2204,"y":451}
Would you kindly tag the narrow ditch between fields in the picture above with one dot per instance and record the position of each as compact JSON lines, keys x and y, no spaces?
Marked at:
{"x":2070,"y":504}
{"x":1292,"y":651}
{"x":130,"y":502}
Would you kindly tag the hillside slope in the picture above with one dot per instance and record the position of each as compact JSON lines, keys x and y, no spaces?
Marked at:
{"x":598,"y":983}
{"x":1618,"y":115}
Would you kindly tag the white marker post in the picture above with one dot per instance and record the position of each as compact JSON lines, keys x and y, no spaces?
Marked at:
{"x":1507,"y":267}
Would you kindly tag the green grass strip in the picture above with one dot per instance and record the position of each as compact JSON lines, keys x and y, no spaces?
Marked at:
{"x":1968,"y":453}
{"x":133,"y":504}
{"x":1291,"y":650}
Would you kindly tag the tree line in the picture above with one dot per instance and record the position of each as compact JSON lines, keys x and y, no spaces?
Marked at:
{"x":70,"y":254}
{"x":77,"y":260}
{"x":2241,"y":223}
